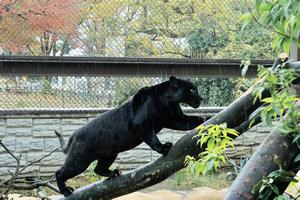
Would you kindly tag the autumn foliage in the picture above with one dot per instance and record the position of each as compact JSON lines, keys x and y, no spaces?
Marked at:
{"x":130,"y":28}
{"x":38,"y":25}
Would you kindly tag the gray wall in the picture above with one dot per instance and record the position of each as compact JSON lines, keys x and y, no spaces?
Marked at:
{"x":31,"y":133}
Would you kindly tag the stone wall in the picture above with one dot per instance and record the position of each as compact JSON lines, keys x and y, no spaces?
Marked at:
{"x":31,"y":133}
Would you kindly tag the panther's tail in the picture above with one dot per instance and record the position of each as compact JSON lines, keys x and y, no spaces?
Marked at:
{"x":65,"y":148}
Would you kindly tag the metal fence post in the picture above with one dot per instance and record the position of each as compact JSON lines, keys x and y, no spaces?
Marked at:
{"x":294,"y":52}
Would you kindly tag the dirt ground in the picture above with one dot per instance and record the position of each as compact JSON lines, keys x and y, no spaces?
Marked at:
{"x":203,"y":187}
{"x":201,"y":193}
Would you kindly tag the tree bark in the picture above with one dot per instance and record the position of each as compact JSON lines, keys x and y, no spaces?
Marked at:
{"x":234,"y":115}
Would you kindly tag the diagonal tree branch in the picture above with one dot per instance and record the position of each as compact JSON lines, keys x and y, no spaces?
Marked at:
{"x":39,"y":160}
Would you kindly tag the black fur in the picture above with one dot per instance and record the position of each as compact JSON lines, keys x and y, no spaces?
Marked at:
{"x":136,"y":121}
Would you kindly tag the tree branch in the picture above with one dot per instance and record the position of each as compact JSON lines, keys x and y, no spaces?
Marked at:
{"x":18,"y":181}
{"x":7,"y":150}
{"x":39,"y":160}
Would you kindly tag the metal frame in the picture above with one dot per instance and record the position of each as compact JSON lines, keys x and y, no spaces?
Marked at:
{"x":206,"y":111}
{"x":111,"y":66}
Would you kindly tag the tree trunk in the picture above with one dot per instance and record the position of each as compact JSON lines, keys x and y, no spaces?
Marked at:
{"x":234,"y":115}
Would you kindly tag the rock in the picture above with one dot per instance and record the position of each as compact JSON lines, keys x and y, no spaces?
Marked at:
{"x":18,"y":197}
{"x":13,"y":196}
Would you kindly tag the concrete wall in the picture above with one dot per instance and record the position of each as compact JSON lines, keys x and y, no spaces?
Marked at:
{"x":32,"y":133}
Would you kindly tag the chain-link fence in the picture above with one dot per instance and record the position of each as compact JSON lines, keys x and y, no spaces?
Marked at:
{"x":131,"y":28}
{"x":42,"y":92}
{"x":122,"y":28}
{"x":69,"y":91}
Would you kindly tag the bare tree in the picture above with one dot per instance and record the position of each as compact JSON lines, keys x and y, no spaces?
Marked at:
{"x":21,"y":180}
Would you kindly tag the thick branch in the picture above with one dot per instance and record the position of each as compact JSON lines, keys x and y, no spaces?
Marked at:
{"x":31,"y":186}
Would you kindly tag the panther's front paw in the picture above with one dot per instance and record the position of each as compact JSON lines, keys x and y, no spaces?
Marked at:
{"x":68,"y":191}
{"x":166,"y":148}
{"x":115,"y":174}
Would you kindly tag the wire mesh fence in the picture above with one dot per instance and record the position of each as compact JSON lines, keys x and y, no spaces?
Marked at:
{"x":70,"y":92}
{"x":131,"y":28}
{"x":122,"y":28}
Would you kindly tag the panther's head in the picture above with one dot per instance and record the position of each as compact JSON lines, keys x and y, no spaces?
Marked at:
{"x":185,"y":91}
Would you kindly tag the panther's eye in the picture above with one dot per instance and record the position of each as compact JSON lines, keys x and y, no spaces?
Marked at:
{"x":192,"y":90}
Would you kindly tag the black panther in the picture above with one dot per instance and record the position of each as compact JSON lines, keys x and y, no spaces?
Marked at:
{"x":123,"y":128}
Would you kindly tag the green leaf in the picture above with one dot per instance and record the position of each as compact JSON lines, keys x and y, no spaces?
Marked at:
{"x":256,"y":188}
{"x":296,"y":138}
{"x":232,"y":132}
{"x":282,"y":197}
{"x":203,"y":140}
{"x":210,"y":165}
{"x":261,"y":189}
{"x":286,"y":46}
{"x":297,"y":158}
{"x":210,"y":144}
{"x":275,"y":189}
{"x":267,"y":100}
{"x":256,"y":113}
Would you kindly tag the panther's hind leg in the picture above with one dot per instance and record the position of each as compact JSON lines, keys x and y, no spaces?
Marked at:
{"x":103,"y":165}
{"x":70,"y":169}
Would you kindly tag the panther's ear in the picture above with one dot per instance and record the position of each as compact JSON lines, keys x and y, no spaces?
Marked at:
{"x":173,"y":81}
